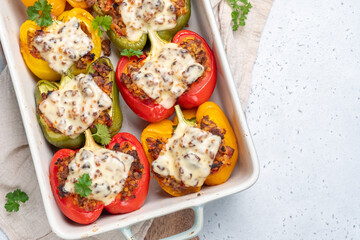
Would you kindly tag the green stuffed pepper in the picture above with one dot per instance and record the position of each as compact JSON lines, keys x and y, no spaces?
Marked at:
{"x":148,"y":15}
{"x":104,"y":110}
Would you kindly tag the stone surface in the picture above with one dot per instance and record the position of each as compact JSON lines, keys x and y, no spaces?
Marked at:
{"x":303,"y":113}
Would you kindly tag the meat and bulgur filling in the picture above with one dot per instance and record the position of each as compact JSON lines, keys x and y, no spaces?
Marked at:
{"x":88,"y":204}
{"x":223,"y":156}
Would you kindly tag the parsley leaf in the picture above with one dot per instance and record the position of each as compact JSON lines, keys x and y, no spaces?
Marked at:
{"x":101,"y":23}
{"x":131,"y":52}
{"x":13,"y":199}
{"x":82,"y":186}
{"x":40,"y":13}
{"x":102,"y":135}
{"x":241,"y":8}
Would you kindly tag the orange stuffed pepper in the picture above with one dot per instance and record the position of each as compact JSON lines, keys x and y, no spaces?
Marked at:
{"x":199,"y":149}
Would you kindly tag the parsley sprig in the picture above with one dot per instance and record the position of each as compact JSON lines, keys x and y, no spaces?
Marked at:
{"x":131,"y":52}
{"x":240,"y":11}
{"x":40,"y":13}
{"x":102,"y":135}
{"x":13,"y":200}
{"x":101,"y":23}
{"x":83,"y":184}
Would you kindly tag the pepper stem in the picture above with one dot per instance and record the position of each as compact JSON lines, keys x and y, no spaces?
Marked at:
{"x":156,"y":43}
{"x":65,"y":79}
{"x":89,"y":140}
{"x":181,"y":117}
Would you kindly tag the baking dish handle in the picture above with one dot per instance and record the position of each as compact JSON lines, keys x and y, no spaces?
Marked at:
{"x":190,"y":233}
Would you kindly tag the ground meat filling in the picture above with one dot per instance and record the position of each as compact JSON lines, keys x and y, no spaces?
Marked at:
{"x":135,"y":173}
{"x":106,"y":47}
{"x":111,"y":8}
{"x":100,"y":76}
{"x":90,"y":3}
{"x":81,"y":63}
{"x":223,"y":156}
{"x":63,"y":171}
{"x":195,"y":48}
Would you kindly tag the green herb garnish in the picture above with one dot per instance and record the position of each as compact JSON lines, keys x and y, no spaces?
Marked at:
{"x":82,"y":186}
{"x":102,"y":135}
{"x":40,"y":13}
{"x":131,"y":52}
{"x":240,"y":11}
{"x":13,"y":200}
{"x":101,"y":23}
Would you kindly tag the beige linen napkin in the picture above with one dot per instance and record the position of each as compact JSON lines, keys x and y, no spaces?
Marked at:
{"x":241,"y":48}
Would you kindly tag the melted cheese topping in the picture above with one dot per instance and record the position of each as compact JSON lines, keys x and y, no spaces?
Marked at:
{"x":188,"y":155}
{"x":140,"y":16}
{"x":75,"y":107}
{"x":166,"y":76}
{"x":63,"y":44}
{"x":107,"y":169}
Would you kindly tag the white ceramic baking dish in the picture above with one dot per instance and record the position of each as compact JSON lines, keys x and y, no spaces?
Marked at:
{"x":158,"y":203}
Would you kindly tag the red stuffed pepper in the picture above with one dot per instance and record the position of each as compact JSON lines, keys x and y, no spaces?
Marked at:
{"x":86,"y":209}
{"x":139,"y":85}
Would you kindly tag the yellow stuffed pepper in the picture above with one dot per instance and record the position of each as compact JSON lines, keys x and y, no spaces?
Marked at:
{"x":36,"y":63}
{"x":208,"y":149}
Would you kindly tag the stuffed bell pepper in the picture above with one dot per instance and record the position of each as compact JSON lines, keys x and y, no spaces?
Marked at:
{"x":86,"y":181}
{"x":133,"y":19}
{"x":69,"y":44}
{"x":66,"y":109}
{"x":183,"y":71}
{"x":201,"y":149}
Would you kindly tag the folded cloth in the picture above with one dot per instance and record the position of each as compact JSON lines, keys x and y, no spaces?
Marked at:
{"x":17,"y":171}
{"x":242,"y":45}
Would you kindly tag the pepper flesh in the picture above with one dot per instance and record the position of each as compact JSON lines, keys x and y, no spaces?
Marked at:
{"x":61,"y":141}
{"x":82,"y":216}
{"x":78,"y":4}
{"x":122,"y":43}
{"x":39,"y":66}
{"x":164,"y":129}
{"x":198,"y":93}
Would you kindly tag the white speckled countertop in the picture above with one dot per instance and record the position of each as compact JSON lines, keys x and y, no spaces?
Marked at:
{"x":303,"y":112}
